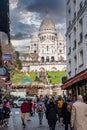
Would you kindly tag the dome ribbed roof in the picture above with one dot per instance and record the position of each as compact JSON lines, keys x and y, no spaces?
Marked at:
{"x":47,"y":25}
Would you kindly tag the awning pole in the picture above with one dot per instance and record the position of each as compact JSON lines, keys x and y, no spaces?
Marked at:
{"x":1,"y":62}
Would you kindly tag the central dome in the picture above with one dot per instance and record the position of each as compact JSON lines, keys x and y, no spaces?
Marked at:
{"x":47,"y":25}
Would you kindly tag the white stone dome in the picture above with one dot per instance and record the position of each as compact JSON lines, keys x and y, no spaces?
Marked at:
{"x":47,"y":25}
{"x":34,"y":35}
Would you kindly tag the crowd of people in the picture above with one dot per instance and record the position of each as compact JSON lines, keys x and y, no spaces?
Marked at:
{"x":5,"y":111}
{"x":73,"y":114}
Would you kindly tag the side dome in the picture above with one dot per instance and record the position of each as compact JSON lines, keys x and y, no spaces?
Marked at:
{"x":60,"y":37}
{"x":47,"y":25}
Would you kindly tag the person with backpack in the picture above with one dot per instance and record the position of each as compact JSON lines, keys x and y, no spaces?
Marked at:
{"x":51,"y":114}
{"x":40,"y":110}
{"x":60,"y":106}
{"x":66,"y":113}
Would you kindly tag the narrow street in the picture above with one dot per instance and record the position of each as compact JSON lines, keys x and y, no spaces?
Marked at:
{"x":16,"y":124}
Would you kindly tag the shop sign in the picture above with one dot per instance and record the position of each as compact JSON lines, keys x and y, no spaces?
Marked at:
{"x":7,"y":57}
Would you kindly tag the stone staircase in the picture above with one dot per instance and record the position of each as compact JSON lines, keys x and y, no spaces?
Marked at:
{"x":42,"y":77}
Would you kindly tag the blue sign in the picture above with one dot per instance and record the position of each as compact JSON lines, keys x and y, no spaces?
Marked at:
{"x":7,"y":57}
{"x":2,"y":71}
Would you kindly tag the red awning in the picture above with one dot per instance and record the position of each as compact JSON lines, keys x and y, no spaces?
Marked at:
{"x":75,"y":79}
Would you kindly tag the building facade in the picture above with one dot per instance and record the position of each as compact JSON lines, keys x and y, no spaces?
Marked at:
{"x":76,"y":47}
{"x":47,"y":50}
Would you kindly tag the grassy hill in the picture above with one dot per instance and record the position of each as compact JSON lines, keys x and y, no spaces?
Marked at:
{"x":18,"y":77}
{"x":53,"y":77}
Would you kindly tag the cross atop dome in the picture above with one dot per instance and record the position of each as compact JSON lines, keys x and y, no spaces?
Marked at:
{"x":47,"y":12}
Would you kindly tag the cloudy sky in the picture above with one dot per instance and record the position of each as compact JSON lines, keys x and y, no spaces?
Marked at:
{"x":25,"y":15}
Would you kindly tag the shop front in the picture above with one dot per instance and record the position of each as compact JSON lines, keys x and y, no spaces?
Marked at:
{"x":77,"y":85}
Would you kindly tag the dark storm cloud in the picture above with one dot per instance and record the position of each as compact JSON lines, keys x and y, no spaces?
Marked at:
{"x":19,"y":30}
{"x":20,"y":36}
{"x":23,"y":31}
{"x":55,"y":7}
{"x":41,"y":5}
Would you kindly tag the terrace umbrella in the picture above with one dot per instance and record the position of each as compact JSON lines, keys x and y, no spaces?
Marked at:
{"x":26,"y":80}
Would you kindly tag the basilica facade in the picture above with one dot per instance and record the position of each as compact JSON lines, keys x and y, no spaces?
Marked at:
{"x":47,"y":50}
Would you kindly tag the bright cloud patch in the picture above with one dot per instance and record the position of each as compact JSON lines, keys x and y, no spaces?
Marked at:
{"x":30,"y":18}
{"x":13,"y":4}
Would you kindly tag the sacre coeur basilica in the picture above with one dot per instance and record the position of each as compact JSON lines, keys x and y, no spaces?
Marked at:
{"x":47,"y":51}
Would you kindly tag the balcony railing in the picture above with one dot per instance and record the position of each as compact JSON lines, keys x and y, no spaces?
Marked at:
{"x":81,"y":65}
{"x":69,"y":73}
{"x":68,"y":2}
{"x":74,"y":45}
{"x":81,"y":5}
{"x":80,"y":12}
{"x":69,"y":51}
{"x":81,"y":38}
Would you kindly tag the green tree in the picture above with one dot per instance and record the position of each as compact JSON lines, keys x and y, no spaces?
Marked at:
{"x":17,"y":53}
{"x":37,"y":79}
{"x":18,"y":61}
{"x":19,"y":64}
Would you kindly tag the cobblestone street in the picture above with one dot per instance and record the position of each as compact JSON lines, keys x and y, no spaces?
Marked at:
{"x":16,"y":124}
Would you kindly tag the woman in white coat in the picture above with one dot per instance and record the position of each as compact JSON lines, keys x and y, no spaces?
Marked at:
{"x":79,"y":114}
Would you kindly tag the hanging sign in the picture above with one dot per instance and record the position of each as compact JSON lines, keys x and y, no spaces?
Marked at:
{"x":7,"y":57}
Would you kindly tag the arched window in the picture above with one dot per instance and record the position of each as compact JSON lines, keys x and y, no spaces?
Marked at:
{"x":35,"y":51}
{"x":60,"y":43}
{"x":47,"y":59}
{"x":42,"y":37}
{"x":61,"y":58}
{"x":52,"y":59}
{"x":42,"y":59}
{"x":52,"y":38}
{"x":60,"y":51}
{"x":47,"y":48}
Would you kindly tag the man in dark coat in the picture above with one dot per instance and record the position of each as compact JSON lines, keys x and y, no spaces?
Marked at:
{"x":66,"y":114}
{"x":51,"y":114}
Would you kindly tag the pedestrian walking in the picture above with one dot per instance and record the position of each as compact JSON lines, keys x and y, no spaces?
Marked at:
{"x":60,"y":107}
{"x":33,"y":107}
{"x":24,"y":112}
{"x":40,"y":110}
{"x":7,"y":112}
{"x":79,"y":114}
{"x":51,"y":114}
{"x":1,"y":114}
{"x":66,"y":113}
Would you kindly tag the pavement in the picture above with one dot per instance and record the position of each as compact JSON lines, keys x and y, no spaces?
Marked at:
{"x":15,"y":122}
